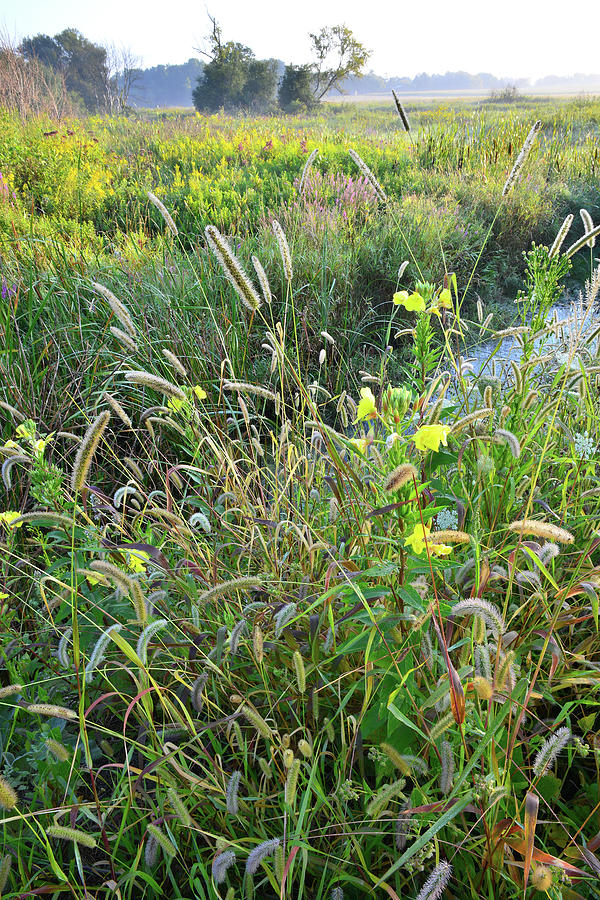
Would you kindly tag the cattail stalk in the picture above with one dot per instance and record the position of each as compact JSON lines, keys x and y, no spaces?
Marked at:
{"x":401,"y":111}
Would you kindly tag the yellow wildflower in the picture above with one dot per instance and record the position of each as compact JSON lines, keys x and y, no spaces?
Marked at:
{"x":200,"y":392}
{"x":176,"y":403}
{"x":363,"y":443}
{"x":411,"y":302}
{"x":366,"y":407}
{"x":8,"y":518}
{"x":429,"y":437}
{"x":26,"y":430}
{"x":416,"y":541}
{"x":137,"y":559}
{"x":444,"y":301}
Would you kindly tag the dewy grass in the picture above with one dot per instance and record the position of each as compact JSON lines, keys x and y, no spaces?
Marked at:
{"x":275,"y":644}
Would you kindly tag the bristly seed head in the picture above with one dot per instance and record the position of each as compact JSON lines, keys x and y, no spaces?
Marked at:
{"x":232,"y":269}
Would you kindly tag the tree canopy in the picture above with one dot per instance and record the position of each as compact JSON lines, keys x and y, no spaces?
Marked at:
{"x":233,"y":78}
{"x":82,"y":63}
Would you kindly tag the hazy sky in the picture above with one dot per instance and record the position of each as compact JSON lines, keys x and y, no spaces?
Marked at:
{"x":515,"y":38}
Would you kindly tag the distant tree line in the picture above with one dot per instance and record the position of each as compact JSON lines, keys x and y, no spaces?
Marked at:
{"x":69,"y":73}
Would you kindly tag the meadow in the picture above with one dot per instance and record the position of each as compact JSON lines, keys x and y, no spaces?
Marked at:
{"x":296,"y":602}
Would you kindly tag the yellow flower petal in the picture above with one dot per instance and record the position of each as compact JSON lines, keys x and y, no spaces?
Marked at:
{"x":8,"y":518}
{"x":366,"y":407}
{"x":444,"y":301}
{"x":429,"y":437}
{"x":200,"y":392}
{"x":416,"y":541}
{"x":411,"y":302}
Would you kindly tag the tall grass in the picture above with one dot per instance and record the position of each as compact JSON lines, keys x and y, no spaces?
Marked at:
{"x":278,"y":626}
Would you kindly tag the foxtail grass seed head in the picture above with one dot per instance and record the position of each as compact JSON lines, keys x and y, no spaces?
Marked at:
{"x":447,"y":773}
{"x":402,"y":474}
{"x":542,"y":529}
{"x":246,"y":583}
{"x":5,"y":867}
{"x":437,"y":882}
{"x":245,"y":388}
{"x":151,"y":851}
{"x":448,"y":536}
{"x":231,"y":793}
{"x":257,"y":644}
{"x":260,"y":853}
{"x":175,"y":362}
{"x":149,"y":632}
{"x":305,"y":748}
{"x":305,"y":171}
{"x":405,"y":762}
{"x":232,"y":269}
{"x":588,"y":226}
{"x":482,"y":661}
{"x":48,"y":709}
{"x":549,"y":751}
{"x":561,"y":235}
{"x":483,"y":688}
{"x":485,"y":610}
{"x":291,"y":782}
{"x":63,"y":648}
{"x":167,"y":218}
{"x":123,"y":338}
{"x":521,"y":158}
{"x":237,"y":632}
{"x":58,"y":750}
{"x":97,"y":654}
{"x":8,"y":795}
{"x":179,"y":808}
{"x":9,"y":690}
{"x":503,"y":436}
{"x":257,"y":721}
{"x":221,"y":864}
{"x":262,"y":280}
{"x":337,"y":894}
{"x":86,"y":450}
{"x":368,"y":174}
{"x":381,"y":800}
{"x":587,"y":237}
{"x":196,"y":692}
{"x":74,"y":835}
{"x":119,"y":310}
{"x":117,"y":409}
{"x":401,"y":112}
{"x":284,"y":250}
{"x":146,"y":379}
{"x":402,"y":829}
{"x":288,"y":757}
{"x":284,"y":616}
{"x":300,"y":672}
{"x":162,"y":840}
